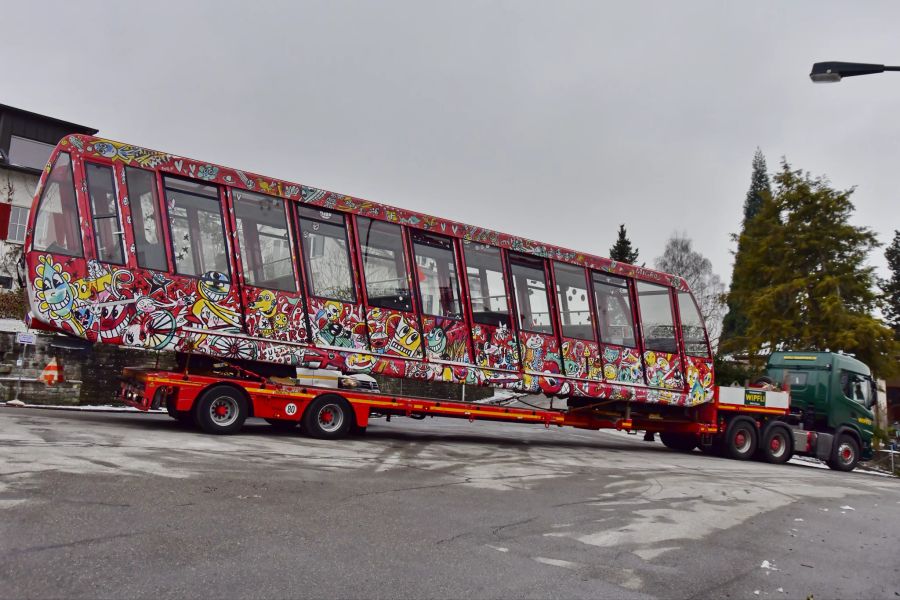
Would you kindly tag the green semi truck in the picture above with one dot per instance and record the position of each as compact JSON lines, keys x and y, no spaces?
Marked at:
{"x":831,"y":400}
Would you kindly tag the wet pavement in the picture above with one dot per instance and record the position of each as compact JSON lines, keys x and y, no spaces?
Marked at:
{"x":112,"y":505}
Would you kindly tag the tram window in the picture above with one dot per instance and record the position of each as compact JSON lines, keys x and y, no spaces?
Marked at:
{"x":387,"y":283}
{"x":105,"y":209}
{"x":487,"y":286}
{"x":656,"y":317}
{"x":57,"y":228}
{"x":614,"y":315}
{"x":148,"y":243}
{"x":195,"y":221}
{"x":574,"y":307}
{"x":436,"y":269}
{"x":692,"y":331}
{"x":530,"y":286}
{"x":327,"y":255}
{"x":264,"y":240}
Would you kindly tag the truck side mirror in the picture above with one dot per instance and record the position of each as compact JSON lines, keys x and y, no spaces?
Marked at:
{"x":873,"y":397}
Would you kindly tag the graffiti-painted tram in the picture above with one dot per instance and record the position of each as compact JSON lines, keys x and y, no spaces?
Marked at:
{"x":146,"y":249}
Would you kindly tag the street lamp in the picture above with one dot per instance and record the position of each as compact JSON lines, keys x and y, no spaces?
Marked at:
{"x":831,"y":72}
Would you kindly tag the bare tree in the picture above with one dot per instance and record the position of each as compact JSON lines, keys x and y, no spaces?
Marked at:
{"x":679,"y":258}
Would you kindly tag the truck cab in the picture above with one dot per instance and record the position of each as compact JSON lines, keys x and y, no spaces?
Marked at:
{"x":831,"y":394}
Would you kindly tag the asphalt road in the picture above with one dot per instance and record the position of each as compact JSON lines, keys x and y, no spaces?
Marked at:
{"x":104,"y":505}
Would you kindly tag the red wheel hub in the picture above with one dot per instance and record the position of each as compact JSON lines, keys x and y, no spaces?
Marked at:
{"x":221,"y":410}
{"x":740,"y":439}
{"x":775,"y":444}
{"x":846,"y":454}
{"x":327,"y":416}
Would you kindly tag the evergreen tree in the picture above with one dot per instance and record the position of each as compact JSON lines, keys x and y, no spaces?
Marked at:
{"x":621,"y":250}
{"x":734,"y":324}
{"x":892,"y":285}
{"x":813,"y":290}
{"x":759,"y":187}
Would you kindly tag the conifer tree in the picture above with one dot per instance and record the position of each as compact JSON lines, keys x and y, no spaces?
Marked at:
{"x":622,"y":250}
{"x":734,"y":323}
{"x":813,"y":290}
{"x":891,"y":287}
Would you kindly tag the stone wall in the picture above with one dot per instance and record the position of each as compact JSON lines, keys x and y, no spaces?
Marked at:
{"x":90,"y":374}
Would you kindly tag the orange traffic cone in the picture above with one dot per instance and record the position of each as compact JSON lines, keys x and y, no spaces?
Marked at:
{"x":52,"y":373}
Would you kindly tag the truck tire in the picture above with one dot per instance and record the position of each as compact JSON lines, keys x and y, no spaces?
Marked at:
{"x":682,"y":442}
{"x":221,"y":410}
{"x":283,"y":424}
{"x":328,"y":417}
{"x":740,"y":439}
{"x":844,"y":453}
{"x":776,"y":447}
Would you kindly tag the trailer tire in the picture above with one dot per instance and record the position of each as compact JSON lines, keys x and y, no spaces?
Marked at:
{"x":682,"y":442}
{"x":776,"y":445}
{"x":283,"y":424}
{"x":221,"y":410}
{"x":844,"y":453}
{"x":328,"y":417}
{"x":741,"y":439}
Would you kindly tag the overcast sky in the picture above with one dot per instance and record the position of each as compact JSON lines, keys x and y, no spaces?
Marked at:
{"x":551,"y":120}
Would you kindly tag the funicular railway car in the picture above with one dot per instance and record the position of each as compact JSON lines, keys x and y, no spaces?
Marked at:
{"x":146,"y":249}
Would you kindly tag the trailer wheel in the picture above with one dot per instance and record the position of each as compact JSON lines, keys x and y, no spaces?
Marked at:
{"x":740,"y":439}
{"x":221,"y":410}
{"x":682,"y":442}
{"x":844,"y":453}
{"x":776,"y":445}
{"x":328,"y":417}
{"x":283,"y":424}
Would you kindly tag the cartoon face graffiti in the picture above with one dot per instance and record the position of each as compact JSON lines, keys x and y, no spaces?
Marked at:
{"x":56,"y":294}
{"x":406,"y":340}
{"x":214,"y":286}
{"x":437,"y":341}
{"x":332,"y":311}
{"x":266,"y":303}
{"x":113,"y":321}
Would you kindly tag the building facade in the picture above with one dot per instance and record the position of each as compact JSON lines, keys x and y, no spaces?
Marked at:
{"x":26,"y":140}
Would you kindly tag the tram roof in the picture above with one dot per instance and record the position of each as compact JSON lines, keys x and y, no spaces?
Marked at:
{"x":96,"y":147}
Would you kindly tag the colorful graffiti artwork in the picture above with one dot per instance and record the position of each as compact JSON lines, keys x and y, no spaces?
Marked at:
{"x":213,"y":314}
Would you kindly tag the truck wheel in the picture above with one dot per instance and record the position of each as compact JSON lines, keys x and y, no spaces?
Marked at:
{"x":740,"y":439}
{"x":682,"y":442}
{"x":776,"y":446}
{"x":221,"y":410}
{"x":844,"y":454}
{"x":283,"y":424}
{"x":328,"y":417}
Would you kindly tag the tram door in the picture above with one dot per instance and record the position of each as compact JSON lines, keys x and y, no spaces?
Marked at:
{"x":538,"y":343}
{"x":391,"y":320}
{"x":334,"y":305}
{"x":273,"y":304}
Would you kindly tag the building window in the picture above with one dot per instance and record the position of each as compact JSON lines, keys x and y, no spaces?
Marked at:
{"x":18,"y":220}
{"x":5,"y":282}
{"x":28,"y":153}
